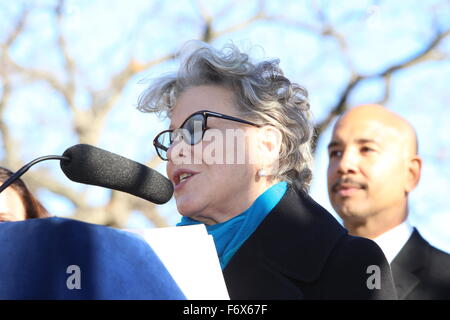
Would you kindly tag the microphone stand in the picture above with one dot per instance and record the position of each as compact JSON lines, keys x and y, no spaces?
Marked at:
{"x":25,"y":168}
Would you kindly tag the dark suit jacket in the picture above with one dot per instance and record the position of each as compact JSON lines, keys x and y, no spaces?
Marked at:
{"x":420,"y":271}
{"x":300,"y":251}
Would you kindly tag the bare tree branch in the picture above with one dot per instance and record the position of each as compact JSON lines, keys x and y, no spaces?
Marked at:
{"x":387,"y":90}
{"x":341,"y":106}
{"x":421,"y":56}
{"x":40,"y":75}
{"x":69,"y":64}
{"x":148,"y":210}
{"x":42,"y":178}
{"x":209,"y":34}
{"x":8,"y":144}
{"x":203,"y":11}
{"x":154,"y":162}
{"x":11,"y":155}
{"x":18,"y":29}
{"x":89,"y":122}
{"x":239,"y":26}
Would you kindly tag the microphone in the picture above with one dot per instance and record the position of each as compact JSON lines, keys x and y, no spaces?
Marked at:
{"x":87,"y":164}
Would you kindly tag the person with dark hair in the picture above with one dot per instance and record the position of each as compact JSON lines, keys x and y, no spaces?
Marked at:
{"x":17,"y":202}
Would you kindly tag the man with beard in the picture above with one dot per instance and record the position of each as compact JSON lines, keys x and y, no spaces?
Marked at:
{"x":373,"y":166}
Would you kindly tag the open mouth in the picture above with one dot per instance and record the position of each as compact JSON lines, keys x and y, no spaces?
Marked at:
{"x":184,"y":176}
{"x":181,"y":177}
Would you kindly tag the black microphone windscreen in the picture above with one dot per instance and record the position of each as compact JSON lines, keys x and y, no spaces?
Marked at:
{"x":95,"y":166}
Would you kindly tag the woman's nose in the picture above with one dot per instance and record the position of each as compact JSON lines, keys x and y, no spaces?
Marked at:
{"x":177,"y":150}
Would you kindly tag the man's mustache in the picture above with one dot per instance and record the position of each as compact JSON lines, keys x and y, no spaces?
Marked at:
{"x":348,"y":182}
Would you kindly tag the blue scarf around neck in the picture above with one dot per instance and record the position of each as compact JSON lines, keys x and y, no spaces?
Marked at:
{"x":230,"y":235}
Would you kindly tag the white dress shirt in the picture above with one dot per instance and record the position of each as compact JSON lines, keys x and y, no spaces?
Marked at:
{"x":392,"y":241}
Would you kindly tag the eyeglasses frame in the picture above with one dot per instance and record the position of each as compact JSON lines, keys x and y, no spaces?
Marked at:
{"x":205,"y":114}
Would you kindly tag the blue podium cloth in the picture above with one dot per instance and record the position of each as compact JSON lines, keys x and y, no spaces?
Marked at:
{"x":58,"y":258}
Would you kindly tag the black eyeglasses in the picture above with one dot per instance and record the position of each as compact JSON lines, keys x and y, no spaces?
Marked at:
{"x":191,"y":131}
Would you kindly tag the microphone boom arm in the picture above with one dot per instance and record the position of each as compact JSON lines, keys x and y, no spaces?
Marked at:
{"x":25,"y":168}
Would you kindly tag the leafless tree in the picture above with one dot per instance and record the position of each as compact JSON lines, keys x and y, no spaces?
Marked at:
{"x":89,"y":122}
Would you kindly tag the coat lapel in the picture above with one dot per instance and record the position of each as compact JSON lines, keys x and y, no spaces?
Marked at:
{"x":294,"y":241}
{"x":408,"y":263}
{"x":296,"y":223}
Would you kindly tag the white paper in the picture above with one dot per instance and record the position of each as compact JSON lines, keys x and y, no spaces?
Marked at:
{"x":189,"y":254}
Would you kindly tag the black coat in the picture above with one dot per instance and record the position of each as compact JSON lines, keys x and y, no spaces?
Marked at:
{"x":421,"y":272}
{"x":300,"y":251}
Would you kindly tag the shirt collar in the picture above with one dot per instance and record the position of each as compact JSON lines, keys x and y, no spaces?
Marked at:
{"x":393,"y":240}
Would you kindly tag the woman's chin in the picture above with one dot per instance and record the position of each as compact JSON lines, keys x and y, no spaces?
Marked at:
{"x":185,"y":209}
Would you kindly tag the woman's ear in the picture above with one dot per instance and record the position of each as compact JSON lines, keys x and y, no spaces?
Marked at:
{"x":270,"y":139}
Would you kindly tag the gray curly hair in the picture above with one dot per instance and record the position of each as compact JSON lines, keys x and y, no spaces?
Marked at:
{"x":262,"y":94}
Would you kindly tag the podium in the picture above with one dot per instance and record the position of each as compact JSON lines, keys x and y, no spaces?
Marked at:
{"x":59,"y":258}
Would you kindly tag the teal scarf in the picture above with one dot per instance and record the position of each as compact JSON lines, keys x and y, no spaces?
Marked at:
{"x":230,"y":235}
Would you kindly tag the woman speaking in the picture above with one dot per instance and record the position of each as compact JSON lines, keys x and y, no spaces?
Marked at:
{"x":238,"y":153}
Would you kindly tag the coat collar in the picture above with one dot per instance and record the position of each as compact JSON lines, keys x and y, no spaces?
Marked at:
{"x":408,"y":263}
{"x":307,"y":232}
